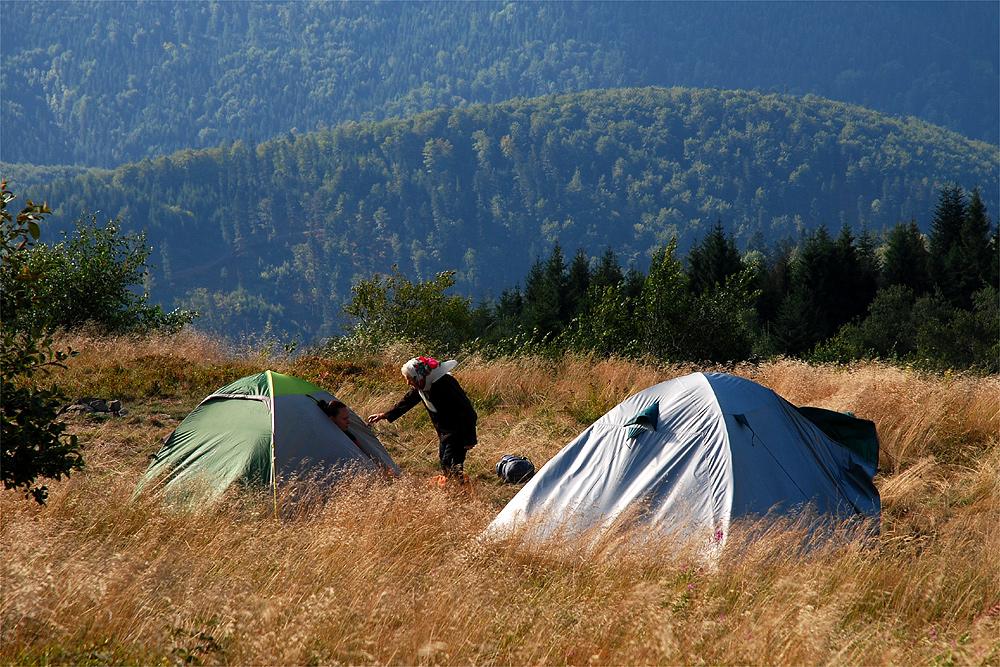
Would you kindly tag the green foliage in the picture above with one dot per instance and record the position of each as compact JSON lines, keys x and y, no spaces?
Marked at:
{"x":886,"y":333}
{"x":958,"y":338}
{"x":549,"y":303}
{"x":713,"y":261}
{"x":723,"y":324}
{"x":87,"y":278}
{"x":666,"y":307}
{"x":609,"y":326}
{"x":198,"y":75}
{"x":34,"y":444}
{"x":773,"y":277}
{"x":389,"y":308}
{"x":577,"y":284}
{"x":945,"y":256}
{"x":976,"y":269}
{"x":544,"y":292}
{"x":500,"y":184}
{"x":855,"y":277}
{"x":657,"y":316}
{"x":832,"y":281}
{"x":795,"y":330}
{"x":824,"y":284}
{"x":960,"y":258}
{"x":238,"y":311}
{"x":923,"y":331}
{"x":904,"y":258}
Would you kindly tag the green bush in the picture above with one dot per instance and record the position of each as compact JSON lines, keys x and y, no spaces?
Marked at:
{"x":34,"y":443}
{"x":390,"y":308}
{"x":89,"y":277}
{"x":926,"y":332}
{"x":666,"y":319}
{"x":956,"y":338}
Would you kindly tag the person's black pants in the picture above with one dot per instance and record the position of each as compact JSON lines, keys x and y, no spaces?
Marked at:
{"x":452,"y":457}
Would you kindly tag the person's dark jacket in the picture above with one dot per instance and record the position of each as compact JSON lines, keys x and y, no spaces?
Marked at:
{"x":455,"y":418}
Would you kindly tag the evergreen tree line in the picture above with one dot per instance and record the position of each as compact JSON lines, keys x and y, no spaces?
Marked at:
{"x":931,"y":301}
{"x":101,"y":84}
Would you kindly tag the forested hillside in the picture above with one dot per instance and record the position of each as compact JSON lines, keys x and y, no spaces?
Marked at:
{"x":279,"y":232}
{"x":103,"y":83}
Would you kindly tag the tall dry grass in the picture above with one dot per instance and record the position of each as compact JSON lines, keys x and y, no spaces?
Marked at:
{"x":391,"y":572}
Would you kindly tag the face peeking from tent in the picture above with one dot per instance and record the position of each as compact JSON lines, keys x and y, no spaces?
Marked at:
{"x":338,"y":413}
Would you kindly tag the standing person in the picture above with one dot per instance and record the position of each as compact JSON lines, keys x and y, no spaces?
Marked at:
{"x":449,"y":408}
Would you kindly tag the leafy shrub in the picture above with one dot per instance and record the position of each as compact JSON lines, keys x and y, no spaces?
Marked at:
{"x":386,"y":309}
{"x":962,"y":338}
{"x":666,"y":319}
{"x":88,"y":277}
{"x":924,"y":331}
{"x":34,"y":443}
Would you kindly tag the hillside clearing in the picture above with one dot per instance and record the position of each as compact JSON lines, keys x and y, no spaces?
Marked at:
{"x":376,"y":572}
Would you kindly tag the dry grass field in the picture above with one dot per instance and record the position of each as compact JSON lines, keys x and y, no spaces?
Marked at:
{"x":391,"y":572}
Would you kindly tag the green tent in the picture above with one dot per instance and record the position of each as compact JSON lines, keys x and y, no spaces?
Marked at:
{"x":263,"y":428}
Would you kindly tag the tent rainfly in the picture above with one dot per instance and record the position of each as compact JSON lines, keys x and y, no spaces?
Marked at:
{"x":691,"y":454}
{"x":261,"y":429}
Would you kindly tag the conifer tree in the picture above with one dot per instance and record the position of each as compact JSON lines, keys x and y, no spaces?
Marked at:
{"x":993,"y":270}
{"x":545,"y":299}
{"x":608,"y":324}
{"x":944,"y":259}
{"x":508,"y":316}
{"x":974,"y":250}
{"x":857,"y":278}
{"x":775,"y":280}
{"x":809,"y":312}
{"x":795,"y":329}
{"x":537,"y":307}
{"x":608,"y":272}
{"x":633,"y":283}
{"x":712,"y":261}
{"x":577,"y":284}
{"x":904,"y":259}
{"x":869,"y":269}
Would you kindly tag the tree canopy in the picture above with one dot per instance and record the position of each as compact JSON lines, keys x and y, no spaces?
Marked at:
{"x":101,"y":84}
{"x":278,"y":233}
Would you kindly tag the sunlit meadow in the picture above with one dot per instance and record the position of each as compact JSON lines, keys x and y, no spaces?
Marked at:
{"x":378,"y":571}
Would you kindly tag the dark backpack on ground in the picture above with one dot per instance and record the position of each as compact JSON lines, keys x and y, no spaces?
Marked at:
{"x":515,"y":469}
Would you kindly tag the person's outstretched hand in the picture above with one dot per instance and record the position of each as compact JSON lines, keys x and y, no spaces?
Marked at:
{"x":374,"y":418}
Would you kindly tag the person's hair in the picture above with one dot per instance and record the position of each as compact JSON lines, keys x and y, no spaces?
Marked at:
{"x":332,"y":409}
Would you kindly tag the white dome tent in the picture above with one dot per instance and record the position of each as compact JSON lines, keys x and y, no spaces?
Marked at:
{"x":691,"y":454}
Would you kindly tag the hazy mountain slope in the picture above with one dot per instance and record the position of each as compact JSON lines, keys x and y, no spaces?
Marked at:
{"x":103,"y":83}
{"x":282,"y":230}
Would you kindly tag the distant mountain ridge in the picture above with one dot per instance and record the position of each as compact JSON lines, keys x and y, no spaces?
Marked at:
{"x":101,"y":84}
{"x":279,"y":232}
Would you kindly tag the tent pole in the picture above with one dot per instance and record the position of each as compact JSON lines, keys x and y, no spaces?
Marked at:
{"x":274,"y":488}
